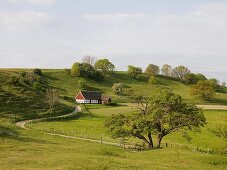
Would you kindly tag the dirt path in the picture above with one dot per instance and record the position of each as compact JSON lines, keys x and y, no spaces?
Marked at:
{"x":77,"y":109}
{"x":213,"y":107}
{"x":23,"y":123}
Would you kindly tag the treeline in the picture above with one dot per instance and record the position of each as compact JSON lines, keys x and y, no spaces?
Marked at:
{"x":201,"y":85}
{"x":91,"y":68}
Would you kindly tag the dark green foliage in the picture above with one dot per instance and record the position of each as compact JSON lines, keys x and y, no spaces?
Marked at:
{"x":87,"y":71}
{"x":28,"y":80}
{"x":104,"y":65}
{"x":37,"y":72}
{"x":143,"y":77}
{"x":111,"y":104}
{"x":134,"y":71}
{"x":68,"y":71}
{"x":191,"y":78}
{"x":99,"y":76}
{"x":161,"y":115}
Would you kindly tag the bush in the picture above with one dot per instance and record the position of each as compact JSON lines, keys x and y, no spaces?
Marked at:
{"x":142,"y":77}
{"x":14,"y":80}
{"x":68,"y":71}
{"x":111,"y":104}
{"x":153,"y":80}
{"x":37,"y":72}
{"x":203,"y":89}
{"x":38,"y":86}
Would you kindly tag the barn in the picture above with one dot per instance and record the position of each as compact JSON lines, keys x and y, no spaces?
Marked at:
{"x":89,"y":97}
{"x":92,"y":97}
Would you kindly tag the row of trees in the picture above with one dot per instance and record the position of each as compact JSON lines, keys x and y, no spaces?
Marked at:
{"x":92,"y":68}
{"x":201,"y":86}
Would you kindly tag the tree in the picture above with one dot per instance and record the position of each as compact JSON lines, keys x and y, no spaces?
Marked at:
{"x":180,"y":72}
{"x":51,"y":98}
{"x":203,"y":89}
{"x":143,"y":77}
{"x":191,"y":78}
{"x":201,"y":76}
{"x":75,"y":70}
{"x":215,"y":83}
{"x":134,"y":71}
{"x":89,"y":60}
{"x":87,"y":70}
{"x":118,"y":88}
{"x":170,"y":114}
{"x":37,"y":72}
{"x":152,"y":69}
{"x":105,"y":65}
{"x":160,"y":115}
{"x":167,"y":70}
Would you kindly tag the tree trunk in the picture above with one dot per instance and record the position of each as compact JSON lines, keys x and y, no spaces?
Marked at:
{"x":150,"y":140}
{"x":159,"y":140}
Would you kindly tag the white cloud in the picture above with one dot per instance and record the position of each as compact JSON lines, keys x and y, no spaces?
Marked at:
{"x":196,"y":39}
{"x":39,"y":2}
{"x":25,"y":20}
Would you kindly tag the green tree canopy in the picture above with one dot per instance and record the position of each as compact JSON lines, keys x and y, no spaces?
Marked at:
{"x":134,"y":71}
{"x":160,"y":115}
{"x":203,"y":89}
{"x":105,"y":65}
{"x":180,"y":72}
{"x":152,"y":69}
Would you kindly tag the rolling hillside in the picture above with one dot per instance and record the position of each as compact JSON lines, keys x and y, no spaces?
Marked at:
{"x":35,"y":150}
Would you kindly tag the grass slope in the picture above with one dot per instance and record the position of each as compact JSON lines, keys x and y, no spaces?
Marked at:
{"x":33,"y":150}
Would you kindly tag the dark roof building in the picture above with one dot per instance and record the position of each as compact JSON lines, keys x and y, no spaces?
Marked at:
{"x":93,"y":97}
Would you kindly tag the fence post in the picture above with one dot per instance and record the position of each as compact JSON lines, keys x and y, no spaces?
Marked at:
{"x":101,"y":139}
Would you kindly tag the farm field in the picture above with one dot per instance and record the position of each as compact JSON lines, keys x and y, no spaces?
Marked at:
{"x":92,"y":126}
{"x":22,"y":149}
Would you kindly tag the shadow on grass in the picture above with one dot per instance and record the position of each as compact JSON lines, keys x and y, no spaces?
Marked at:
{"x":8,"y":133}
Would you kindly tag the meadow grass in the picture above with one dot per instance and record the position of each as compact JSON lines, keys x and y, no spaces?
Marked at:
{"x":21,"y":149}
{"x":34,"y":150}
{"x":92,"y":126}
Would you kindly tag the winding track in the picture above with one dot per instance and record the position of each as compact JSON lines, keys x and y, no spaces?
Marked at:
{"x":78,"y":109}
{"x":22,"y":124}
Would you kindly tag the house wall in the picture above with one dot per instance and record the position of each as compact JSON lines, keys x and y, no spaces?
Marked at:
{"x":87,"y":101}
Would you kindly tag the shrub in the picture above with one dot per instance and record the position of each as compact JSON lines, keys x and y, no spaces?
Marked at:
{"x":118,"y":88}
{"x":111,"y":104}
{"x":203,"y":89}
{"x":37,"y":72}
{"x":153,"y":80}
{"x":14,"y":80}
{"x":142,"y":77}
{"x":68,"y":71}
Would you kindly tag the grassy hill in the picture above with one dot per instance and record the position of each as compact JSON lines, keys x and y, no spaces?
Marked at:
{"x":22,"y":149}
{"x":68,"y":86}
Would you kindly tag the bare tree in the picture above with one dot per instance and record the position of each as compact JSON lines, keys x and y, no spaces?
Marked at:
{"x":51,"y":98}
{"x":89,"y":60}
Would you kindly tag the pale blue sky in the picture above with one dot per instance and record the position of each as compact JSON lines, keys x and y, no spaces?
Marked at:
{"x":56,"y":33}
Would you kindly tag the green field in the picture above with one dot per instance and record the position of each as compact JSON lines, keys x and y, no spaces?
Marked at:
{"x":22,"y":149}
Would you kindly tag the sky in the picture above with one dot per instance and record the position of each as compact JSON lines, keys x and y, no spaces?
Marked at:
{"x":57,"y":33}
